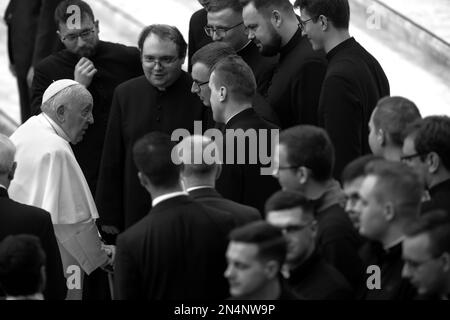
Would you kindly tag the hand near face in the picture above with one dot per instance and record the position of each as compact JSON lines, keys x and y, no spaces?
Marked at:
{"x":84,"y":71}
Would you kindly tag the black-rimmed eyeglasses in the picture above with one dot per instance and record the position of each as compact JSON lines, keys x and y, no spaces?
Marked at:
{"x":83,"y":35}
{"x":198,"y":85}
{"x":302,"y":24}
{"x":219,"y":31}
{"x":411,"y":156}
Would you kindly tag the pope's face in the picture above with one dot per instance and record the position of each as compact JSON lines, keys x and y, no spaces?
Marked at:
{"x":77,"y":117}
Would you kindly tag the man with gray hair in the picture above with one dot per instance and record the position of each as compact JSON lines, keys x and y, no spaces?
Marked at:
{"x":199,"y":175}
{"x":49,"y":177}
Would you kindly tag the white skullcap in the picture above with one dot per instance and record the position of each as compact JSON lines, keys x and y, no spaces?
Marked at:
{"x":56,"y":87}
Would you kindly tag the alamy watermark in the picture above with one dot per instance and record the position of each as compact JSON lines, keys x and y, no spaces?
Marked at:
{"x":252,"y":146}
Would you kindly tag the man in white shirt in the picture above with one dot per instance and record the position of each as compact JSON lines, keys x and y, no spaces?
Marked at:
{"x":48,"y":176}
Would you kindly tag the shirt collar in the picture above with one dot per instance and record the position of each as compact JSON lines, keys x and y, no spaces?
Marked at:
{"x":3,"y":187}
{"x":36,"y":296}
{"x":59,"y":131}
{"x":168,"y":196}
{"x":296,"y":38}
{"x":198,"y":187}
{"x":235,"y":114}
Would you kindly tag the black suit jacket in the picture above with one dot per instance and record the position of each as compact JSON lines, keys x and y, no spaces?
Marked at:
{"x":197,"y":36}
{"x":240,"y":213}
{"x":137,"y":109}
{"x":31,"y":32}
{"x":244,"y":183}
{"x":115,"y":63}
{"x":353,"y":84}
{"x":17,"y":218}
{"x":175,"y":253}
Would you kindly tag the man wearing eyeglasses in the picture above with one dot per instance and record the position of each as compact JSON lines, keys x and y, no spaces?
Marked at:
{"x":294,"y":88}
{"x":305,"y":163}
{"x":426,"y":255}
{"x":306,"y":271}
{"x":225,"y":24}
{"x":98,"y":65}
{"x":197,"y":38}
{"x":427,"y":150}
{"x":354,"y":81}
{"x":160,"y":100}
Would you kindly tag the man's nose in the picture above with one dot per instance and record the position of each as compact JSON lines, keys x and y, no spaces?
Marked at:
{"x":80,"y":42}
{"x":91,"y":118}
{"x":216,"y":37}
{"x":193,"y":88}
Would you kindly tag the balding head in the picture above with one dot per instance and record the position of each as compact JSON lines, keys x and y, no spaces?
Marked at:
{"x":200,"y":158}
{"x":71,"y":109}
{"x":7,"y":164}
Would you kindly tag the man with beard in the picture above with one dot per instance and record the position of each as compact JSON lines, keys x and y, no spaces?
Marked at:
{"x":99,"y":66}
{"x":225,"y":24}
{"x":160,"y":100}
{"x":294,"y":89}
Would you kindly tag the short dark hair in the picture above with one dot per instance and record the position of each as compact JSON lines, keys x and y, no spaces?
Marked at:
{"x":432,"y":134}
{"x":393,"y":115}
{"x":165,"y":32}
{"x":269,"y":239}
{"x":21,"y":261}
{"x":61,"y":16}
{"x":267,"y":5}
{"x":399,"y":184}
{"x":309,"y":146}
{"x":338,"y":11}
{"x":219,"y":5}
{"x":233,"y":73}
{"x":212,"y":53}
{"x":357,"y":167}
{"x":152,"y":156}
{"x":286,"y":199}
{"x":437,"y":225}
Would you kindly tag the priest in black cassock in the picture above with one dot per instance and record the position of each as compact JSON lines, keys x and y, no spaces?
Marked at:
{"x":161,"y":100}
{"x":354,"y":81}
{"x":177,"y":252}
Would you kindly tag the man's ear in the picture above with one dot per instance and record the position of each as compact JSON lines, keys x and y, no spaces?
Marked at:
{"x":324,"y":22}
{"x":381,"y":137}
{"x":302,"y":174}
{"x":389,"y":211}
{"x":97,"y":26}
{"x":223,"y":94}
{"x":272,"y":269}
{"x":143,"y":179}
{"x":60,"y":113}
{"x":12,"y":171}
{"x":433,"y":161}
{"x":275,"y":18}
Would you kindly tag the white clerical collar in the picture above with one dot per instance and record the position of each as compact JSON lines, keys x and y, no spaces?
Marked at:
{"x":2,"y":186}
{"x":59,"y":131}
{"x":394,"y":243}
{"x":168,"y":196}
{"x":36,"y":296}
{"x":245,"y":46}
{"x":235,"y":114}
{"x":198,"y":187}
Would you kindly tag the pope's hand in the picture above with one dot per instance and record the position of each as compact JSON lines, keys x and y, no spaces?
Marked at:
{"x":84,"y":72}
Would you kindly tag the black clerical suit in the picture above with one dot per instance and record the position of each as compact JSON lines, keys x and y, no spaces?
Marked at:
{"x":353,"y":84}
{"x":137,"y":109}
{"x":315,"y":279}
{"x":392,"y":285}
{"x":174,"y":253}
{"x":115,"y":63}
{"x":440,"y":198}
{"x":197,"y":35}
{"x":244,"y":183}
{"x":294,"y":89}
{"x":31,"y":37}
{"x":17,"y":218}
{"x":240,"y":214}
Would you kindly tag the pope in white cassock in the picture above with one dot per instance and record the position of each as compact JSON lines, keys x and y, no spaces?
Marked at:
{"x":48,"y":176}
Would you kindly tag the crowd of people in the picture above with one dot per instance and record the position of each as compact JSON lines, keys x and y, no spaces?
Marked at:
{"x":278,"y":168}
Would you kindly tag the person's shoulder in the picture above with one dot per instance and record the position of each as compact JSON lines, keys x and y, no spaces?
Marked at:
{"x":137,"y":83}
{"x":119,"y":49}
{"x":28,"y":215}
